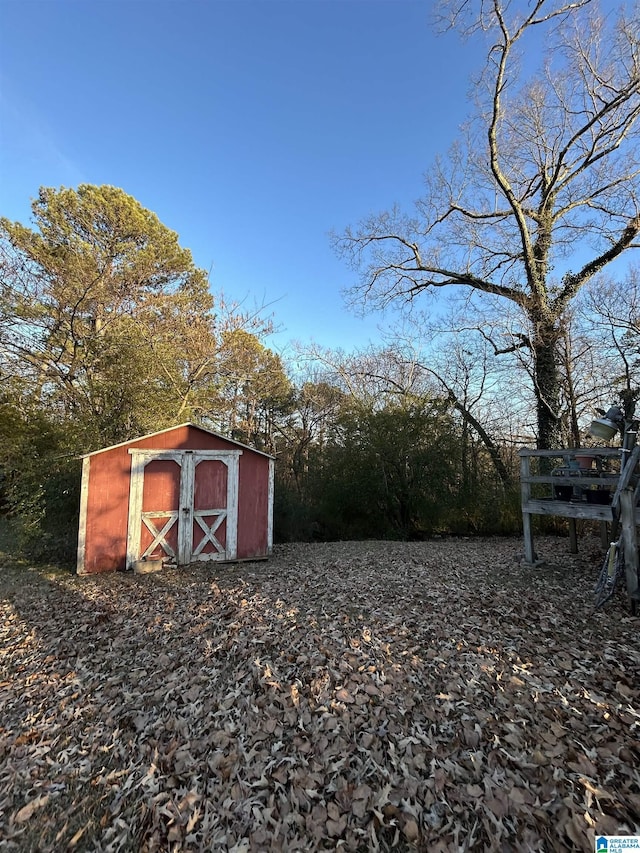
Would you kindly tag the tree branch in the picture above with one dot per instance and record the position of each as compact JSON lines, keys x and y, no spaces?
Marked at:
{"x":440,"y":276}
{"x":574,"y":281}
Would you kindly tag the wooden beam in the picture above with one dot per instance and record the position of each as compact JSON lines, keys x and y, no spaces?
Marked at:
{"x":630,"y":544}
{"x":593,"y":512}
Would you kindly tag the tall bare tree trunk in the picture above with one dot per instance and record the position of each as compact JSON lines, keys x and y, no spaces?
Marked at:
{"x":548,"y":385}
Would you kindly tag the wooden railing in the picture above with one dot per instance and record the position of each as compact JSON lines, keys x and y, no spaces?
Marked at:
{"x":614,"y":477}
{"x":604,"y":478}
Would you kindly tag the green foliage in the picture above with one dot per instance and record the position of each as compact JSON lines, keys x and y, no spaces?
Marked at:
{"x":83,"y":296}
{"x":392,"y":474}
{"x":40,"y":483}
{"x":101,"y":246}
{"x":293,"y":515}
{"x":108,"y":331}
{"x":253,"y":389}
{"x":404,"y":470}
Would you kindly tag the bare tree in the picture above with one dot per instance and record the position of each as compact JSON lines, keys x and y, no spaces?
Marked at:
{"x":315,"y":408}
{"x":407,"y":369}
{"x":463,"y":374}
{"x":542,"y":190}
{"x":611,"y":318}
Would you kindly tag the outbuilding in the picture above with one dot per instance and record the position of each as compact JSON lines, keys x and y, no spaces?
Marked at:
{"x":180,"y":495}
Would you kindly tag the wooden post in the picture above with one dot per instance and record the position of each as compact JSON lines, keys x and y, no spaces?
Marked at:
{"x":525,"y":489}
{"x":573,"y":536}
{"x":630,"y":456}
{"x":630,"y":543}
{"x":605,"y":538}
{"x":82,"y":527}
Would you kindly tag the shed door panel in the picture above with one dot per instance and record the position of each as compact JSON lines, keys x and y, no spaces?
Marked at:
{"x":210,"y":490}
{"x":160,"y":509}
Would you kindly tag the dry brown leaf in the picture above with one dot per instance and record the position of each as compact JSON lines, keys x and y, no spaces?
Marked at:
{"x":343,"y":695}
{"x":336,"y":827}
{"x":411,"y":830}
{"x":27,"y":812}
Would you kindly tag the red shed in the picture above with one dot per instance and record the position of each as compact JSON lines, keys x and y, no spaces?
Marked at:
{"x":183,"y":494}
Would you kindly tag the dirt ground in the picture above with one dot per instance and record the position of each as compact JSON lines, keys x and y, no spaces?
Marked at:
{"x":437,"y":696}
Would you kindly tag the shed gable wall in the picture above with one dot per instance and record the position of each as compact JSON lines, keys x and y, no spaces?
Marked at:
{"x":107,"y":497}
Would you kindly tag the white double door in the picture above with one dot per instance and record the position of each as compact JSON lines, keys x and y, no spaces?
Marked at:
{"x":183,"y":505}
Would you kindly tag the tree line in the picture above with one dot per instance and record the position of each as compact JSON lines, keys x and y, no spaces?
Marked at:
{"x":108,"y":330}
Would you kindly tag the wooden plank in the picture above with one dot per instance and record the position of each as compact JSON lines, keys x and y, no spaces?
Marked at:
{"x":546,"y":454}
{"x":159,"y":537}
{"x":630,"y":543}
{"x":597,"y":512}
{"x":233,"y":475}
{"x":525,"y":490}
{"x":577,"y":480}
{"x":525,"y":476}
{"x":82,"y":527}
{"x":529,"y":550}
{"x":270,"y":497}
{"x":136,"y":485}
{"x":604,"y":452}
{"x":627,"y":473}
{"x":575,"y":510}
{"x":185,"y":506}
{"x":177,"y":455}
{"x":209,"y":531}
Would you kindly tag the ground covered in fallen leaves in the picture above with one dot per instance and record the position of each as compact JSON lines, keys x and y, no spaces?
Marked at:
{"x":435,"y":696}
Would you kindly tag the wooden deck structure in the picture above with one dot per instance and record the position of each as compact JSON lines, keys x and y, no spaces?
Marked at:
{"x":616,"y":473}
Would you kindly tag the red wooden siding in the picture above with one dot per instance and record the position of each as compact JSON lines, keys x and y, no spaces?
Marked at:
{"x":253,"y":509}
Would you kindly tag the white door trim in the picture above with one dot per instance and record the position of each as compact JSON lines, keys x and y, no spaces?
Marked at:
{"x":82,"y":521}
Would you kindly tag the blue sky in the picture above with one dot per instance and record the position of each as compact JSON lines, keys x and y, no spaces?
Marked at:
{"x":251,"y":127}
